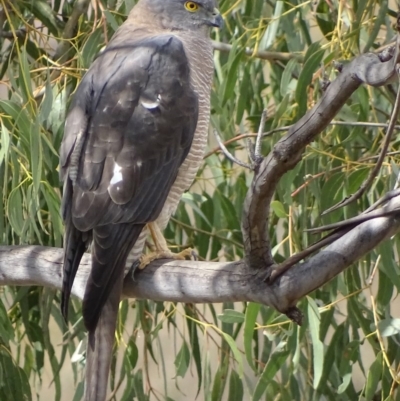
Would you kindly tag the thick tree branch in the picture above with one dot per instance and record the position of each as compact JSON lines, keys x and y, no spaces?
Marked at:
{"x":198,"y":282}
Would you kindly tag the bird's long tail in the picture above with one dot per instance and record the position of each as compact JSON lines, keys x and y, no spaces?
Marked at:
{"x":110,"y":249}
{"x":100,"y":348}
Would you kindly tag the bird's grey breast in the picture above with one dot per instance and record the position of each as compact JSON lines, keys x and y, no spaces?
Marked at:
{"x":199,"y":52}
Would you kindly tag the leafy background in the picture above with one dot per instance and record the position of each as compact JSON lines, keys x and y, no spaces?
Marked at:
{"x":348,"y":347}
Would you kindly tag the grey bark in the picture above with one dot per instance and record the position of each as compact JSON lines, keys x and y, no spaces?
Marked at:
{"x":199,"y":282}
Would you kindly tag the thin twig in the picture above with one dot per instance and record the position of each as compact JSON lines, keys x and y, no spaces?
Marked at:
{"x":228,"y":154}
{"x":354,"y":221}
{"x":257,"y":150}
{"x":263,"y":55}
{"x":293,"y":260}
{"x":387,"y":197}
{"x":251,"y":151}
{"x":285,"y":128}
{"x":340,"y":229}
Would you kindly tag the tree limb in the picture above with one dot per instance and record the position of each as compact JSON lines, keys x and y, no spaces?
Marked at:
{"x":367,"y":68}
{"x":200,"y":282}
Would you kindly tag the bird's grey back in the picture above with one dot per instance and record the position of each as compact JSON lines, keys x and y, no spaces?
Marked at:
{"x":199,"y":51}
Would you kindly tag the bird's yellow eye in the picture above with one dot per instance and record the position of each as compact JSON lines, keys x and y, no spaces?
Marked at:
{"x":191,"y":6}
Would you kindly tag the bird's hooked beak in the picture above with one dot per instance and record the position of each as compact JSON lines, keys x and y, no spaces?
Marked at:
{"x":216,"y":19}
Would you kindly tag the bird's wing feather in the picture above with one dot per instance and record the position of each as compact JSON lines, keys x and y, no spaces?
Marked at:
{"x":130,"y":127}
{"x":138,"y":113}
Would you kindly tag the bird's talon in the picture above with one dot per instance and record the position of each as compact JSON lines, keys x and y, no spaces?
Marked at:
{"x":188,"y":253}
{"x":133,"y":269}
{"x":194,"y":255}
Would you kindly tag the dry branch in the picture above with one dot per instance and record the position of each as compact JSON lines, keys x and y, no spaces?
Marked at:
{"x":199,"y":282}
{"x":366,"y":69}
{"x":263,"y":55}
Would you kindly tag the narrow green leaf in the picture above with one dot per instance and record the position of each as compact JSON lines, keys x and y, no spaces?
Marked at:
{"x":6,"y":328}
{"x":231,"y":316}
{"x":43,"y":11}
{"x":389,"y":266}
{"x":36,"y":158}
{"x":374,"y":377}
{"x":356,"y":178}
{"x":20,"y":117}
{"x":237,"y":355}
{"x":270,"y":34}
{"x":249,"y":325}
{"x":111,"y":20}
{"x":15,"y":211}
{"x":230,"y":80}
{"x":235,"y":387}
{"x":287,"y":76}
{"x":207,"y":377}
{"x":217,"y":386}
{"x":278,"y":209}
{"x":346,"y":379}
{"x":194,"y":344}
{"x":79,"y":392}
{"x":314,"y":320}
{"x":305,"y":77}
{"x":389,"y":327}
{"x":182,"y":360}
{"x":379,"y":21}
{"x":325,"y":20}
{"x":92,"y":47}
{"x":25,"y":83}
{"x":273,"y":365}
{"x":132,"y":353}
{"x":138,"y":385}
{"x":190,"y":200}
{"x":47,"y":103}
{"x":4,"y":143}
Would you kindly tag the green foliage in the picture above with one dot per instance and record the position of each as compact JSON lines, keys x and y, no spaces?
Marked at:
{"x":347,"y":348}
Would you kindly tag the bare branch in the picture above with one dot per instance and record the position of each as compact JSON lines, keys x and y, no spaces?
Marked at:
{"x":257,"y":150}
{"x":200,"y":282}
{"x":228,"y":154}
{"x":386,"y":198}
{"x":368,"y":69}
{"x":264,"y":55}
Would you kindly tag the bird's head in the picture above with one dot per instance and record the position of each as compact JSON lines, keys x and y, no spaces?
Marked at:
{"x":185,"y":15}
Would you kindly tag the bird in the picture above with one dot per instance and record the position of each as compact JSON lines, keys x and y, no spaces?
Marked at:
{"x":134,"y":138}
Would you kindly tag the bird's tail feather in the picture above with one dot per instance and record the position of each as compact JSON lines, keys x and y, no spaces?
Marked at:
{"x":100,"y":348}
{"x":75,"y":245}
{"x":110,"y":248}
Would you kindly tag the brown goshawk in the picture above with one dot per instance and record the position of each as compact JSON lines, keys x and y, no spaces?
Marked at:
{"x":134,"y":139}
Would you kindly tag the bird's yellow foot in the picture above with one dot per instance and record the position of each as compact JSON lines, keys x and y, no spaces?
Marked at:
{"x":145,"y":260}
